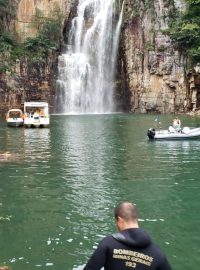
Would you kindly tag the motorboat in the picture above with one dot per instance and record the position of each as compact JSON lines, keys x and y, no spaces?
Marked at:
{"x":15,"y":118}
{"x":36,"y":114}
{"x":173,"y":134}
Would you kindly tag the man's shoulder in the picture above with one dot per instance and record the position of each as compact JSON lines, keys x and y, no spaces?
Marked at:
{"x":107,"y":240}
{"x":107,"y":237}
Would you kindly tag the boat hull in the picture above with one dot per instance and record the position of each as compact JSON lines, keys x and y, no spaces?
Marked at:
{"x":37,"y":123}
{"x":186,"y":133}
{"x":15,"y":122}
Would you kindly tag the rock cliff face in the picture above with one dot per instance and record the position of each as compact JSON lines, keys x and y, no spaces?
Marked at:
{"x":153,"y":76}
{"x":155,"y":72}
{"x":27,"y":10}
{"x":27,"y":82}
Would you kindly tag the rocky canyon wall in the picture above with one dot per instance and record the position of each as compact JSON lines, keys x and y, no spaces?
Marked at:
{"x":30,"y":81}
{"x":153,"y":76}
{"x":27,"y":10}
{"x":155,"y":73}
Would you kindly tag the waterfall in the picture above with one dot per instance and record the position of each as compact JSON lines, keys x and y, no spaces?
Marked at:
{"x":86,"y":71}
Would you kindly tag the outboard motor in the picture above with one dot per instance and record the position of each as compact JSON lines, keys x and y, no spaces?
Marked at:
{"x":151,"y":133}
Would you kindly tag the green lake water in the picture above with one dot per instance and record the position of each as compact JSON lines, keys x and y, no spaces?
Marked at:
{"x":59,"y":186}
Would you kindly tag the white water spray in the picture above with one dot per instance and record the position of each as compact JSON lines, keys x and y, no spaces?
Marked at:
{"x":87,"y":69}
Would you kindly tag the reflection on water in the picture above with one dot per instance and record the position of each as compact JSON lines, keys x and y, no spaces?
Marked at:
{"x":8,"y":156}
{"x":87,"y":164}
{"x":59,"y":186}
{"x":177,"y":144}
{"x":37,"y":145}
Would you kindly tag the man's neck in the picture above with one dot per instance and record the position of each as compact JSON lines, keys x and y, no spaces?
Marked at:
{"x":131,"y":225}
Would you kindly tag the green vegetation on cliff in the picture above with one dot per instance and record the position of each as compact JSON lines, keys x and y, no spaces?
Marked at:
{"x":34,"y":49}
{"x":7,"y":40}
{"x":185,"y":31}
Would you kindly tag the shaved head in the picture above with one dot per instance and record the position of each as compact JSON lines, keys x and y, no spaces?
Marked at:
{"x":127,"y":211}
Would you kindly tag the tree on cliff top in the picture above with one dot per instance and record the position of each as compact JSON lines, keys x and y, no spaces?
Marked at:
{"x":185,"y":31}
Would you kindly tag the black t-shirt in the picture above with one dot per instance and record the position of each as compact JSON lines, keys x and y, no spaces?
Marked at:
{"x":130,"y":249}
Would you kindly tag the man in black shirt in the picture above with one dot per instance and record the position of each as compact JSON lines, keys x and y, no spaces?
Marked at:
{"x":131,"y":248}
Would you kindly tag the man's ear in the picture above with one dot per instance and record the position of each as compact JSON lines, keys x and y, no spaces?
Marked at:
{"x":120,"y":223}
{"x":119,"y":219}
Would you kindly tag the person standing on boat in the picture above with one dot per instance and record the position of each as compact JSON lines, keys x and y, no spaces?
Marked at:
{"x":177,"y":124}
{"x":131,"y":248}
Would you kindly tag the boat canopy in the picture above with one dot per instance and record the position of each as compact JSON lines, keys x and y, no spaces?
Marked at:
{"x":14,"y":113}
{"x":15,"y":110}
{"x":36,"y":105}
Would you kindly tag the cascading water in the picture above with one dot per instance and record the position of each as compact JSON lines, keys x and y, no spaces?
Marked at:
{"x":87,"y":69}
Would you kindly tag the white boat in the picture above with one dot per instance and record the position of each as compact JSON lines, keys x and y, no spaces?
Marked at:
{"x":15,"y":118}
{"x":172,"y":134}
{"x":36,"y":114}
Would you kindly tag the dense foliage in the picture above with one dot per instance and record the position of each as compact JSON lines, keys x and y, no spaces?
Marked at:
{"x":185,"y":31}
